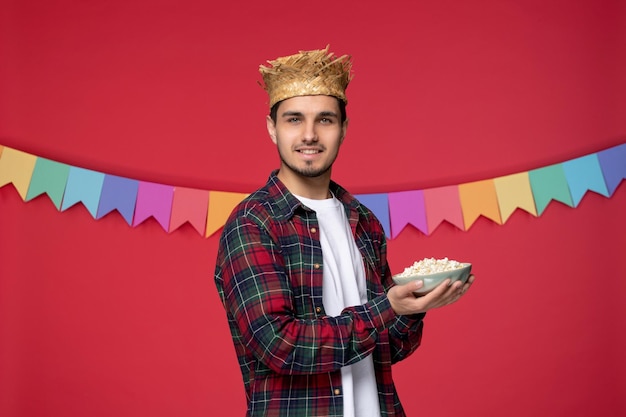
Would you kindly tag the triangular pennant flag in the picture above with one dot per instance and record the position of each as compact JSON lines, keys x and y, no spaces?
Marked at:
{"x":441,"y":204}
{"x":119,"y":194}
{"x":514,"y":192}
{"x":407,"y":207}
{"x":154,"y":200}
{"x":84,"y":186}
{"x":49,"y":177}
{"x":613,"y":163}
{"x":379,"y":205}
{"x":584,"y":174}
{"x":549,"y":183}
{"x":479,"y":198}
{"x":221,"y":204}
{"x":16,"y":167}
{"x":189,"y":205}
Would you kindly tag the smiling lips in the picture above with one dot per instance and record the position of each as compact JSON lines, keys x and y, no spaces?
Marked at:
{"x":309,"y":151}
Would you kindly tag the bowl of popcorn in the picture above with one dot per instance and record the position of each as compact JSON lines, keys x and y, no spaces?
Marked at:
{"x":433,"y":272}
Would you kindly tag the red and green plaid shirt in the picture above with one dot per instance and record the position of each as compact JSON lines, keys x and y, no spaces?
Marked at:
{"x":269,"y":277}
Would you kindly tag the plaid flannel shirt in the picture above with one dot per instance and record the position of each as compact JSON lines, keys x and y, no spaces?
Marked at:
{"x":269,"y":278}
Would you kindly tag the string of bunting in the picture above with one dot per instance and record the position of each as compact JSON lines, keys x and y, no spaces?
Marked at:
{"x":206,"y":211}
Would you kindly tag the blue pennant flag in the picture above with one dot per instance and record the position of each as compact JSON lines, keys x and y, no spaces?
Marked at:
{"x":379,"y":204}
{"x":584,"y":174}
{"x":119,"y":194}
{"x":613,"y":163}
{"x":83,"y":186}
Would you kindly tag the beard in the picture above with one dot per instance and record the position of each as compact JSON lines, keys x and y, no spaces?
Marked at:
{"x":308,"y":170}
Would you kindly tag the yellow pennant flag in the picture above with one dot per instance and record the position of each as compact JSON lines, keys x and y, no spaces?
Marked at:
{"x":221,"y":204}
{"x":17,"y":167}
{"x":479,"y":198}
{"x":514,"y":192}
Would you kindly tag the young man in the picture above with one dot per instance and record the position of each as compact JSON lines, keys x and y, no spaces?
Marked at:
{"x":302,"y":266}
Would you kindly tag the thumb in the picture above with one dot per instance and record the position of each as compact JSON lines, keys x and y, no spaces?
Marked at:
{"x":410,"y":287}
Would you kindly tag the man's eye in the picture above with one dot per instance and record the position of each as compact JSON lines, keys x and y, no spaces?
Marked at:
{"x":293,"y":120}
{"x":326,"y":120}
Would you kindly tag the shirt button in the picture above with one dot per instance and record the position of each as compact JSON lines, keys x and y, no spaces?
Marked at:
{"x":316,"y":266}
{"x":313,"y":230}
{"x":318,"y":310}
{"x":337,"y":392}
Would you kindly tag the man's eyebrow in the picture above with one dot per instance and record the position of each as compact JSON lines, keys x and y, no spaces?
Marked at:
{"x":289,"y":113}
{"x":292,"y":113}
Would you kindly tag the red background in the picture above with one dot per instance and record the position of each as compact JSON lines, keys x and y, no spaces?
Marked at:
{"x":98,"y":318}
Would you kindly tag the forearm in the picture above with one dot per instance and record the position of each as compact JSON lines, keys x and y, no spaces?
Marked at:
{"x":278,"y":317}
{"x":405,"y":334}
{"x":290,"y":345}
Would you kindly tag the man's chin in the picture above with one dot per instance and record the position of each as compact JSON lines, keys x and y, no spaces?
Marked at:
{"x":313,"y":173}
{"x":309,"y":171}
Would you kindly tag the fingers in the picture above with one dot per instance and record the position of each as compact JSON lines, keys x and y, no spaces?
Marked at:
{"x":463,"y":288}
{"x":408,"y":289}
{"x":468,"y":284}
{"x":445,"y":293}
{"x":439,"y":296}
{"x":404,"y":300}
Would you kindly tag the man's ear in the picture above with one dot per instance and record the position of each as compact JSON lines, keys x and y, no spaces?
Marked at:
{"x":344,"y":129}
{"x":271,"y":128}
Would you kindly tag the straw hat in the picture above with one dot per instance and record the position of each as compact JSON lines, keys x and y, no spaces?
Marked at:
{"x":307,"y":73}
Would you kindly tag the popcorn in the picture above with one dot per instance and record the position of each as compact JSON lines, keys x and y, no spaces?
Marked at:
{"x":430,"y":266}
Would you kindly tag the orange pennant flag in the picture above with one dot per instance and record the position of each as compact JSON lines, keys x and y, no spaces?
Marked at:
{"x":17,"y":167}
{"x":221,"y":204}
{"x":514,"y":192}
{"x":479,"y":198}
{"x":189,"y":205}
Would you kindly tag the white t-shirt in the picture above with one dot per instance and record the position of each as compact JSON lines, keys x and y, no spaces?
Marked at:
{"x":344,"y":286}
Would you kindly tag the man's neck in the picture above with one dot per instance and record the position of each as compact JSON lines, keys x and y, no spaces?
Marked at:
{"x":315,"y":188}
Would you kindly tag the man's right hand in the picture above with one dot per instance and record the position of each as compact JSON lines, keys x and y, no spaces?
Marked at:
{"x":404,"y":301}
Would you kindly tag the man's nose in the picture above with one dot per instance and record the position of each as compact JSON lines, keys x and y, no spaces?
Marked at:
{"x":310,"y":132}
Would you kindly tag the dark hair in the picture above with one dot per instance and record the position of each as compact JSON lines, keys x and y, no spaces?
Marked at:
{"x":342,"y":110}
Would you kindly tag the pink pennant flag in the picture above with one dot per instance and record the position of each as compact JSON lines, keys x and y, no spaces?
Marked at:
{"x":441,"y":204}
{"x":479,"y":199}
{"x":407,"y":207}
{"x":189,"y":205}
{"x":154,"y":200}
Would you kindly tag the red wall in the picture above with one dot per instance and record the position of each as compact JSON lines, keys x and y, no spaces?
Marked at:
{"x":98,"y":318}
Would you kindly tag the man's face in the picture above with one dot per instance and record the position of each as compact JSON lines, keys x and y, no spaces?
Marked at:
{"x":308,"y":133}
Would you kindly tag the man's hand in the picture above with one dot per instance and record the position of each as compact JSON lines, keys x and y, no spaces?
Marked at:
{"x":404,"y":301}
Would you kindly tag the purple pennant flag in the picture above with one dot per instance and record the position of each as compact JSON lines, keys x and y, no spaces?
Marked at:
{"x":407,"y":207}
{"x":379,"y":204}
{"x":154,"y":200}
{"x":118,"y":194}
{"x":613,"y":163}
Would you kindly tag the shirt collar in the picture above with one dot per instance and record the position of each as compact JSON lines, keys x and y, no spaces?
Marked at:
{"x":287,"y":204}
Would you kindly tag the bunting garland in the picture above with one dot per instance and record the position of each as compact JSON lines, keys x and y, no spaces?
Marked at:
{"x":206,"y":211}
